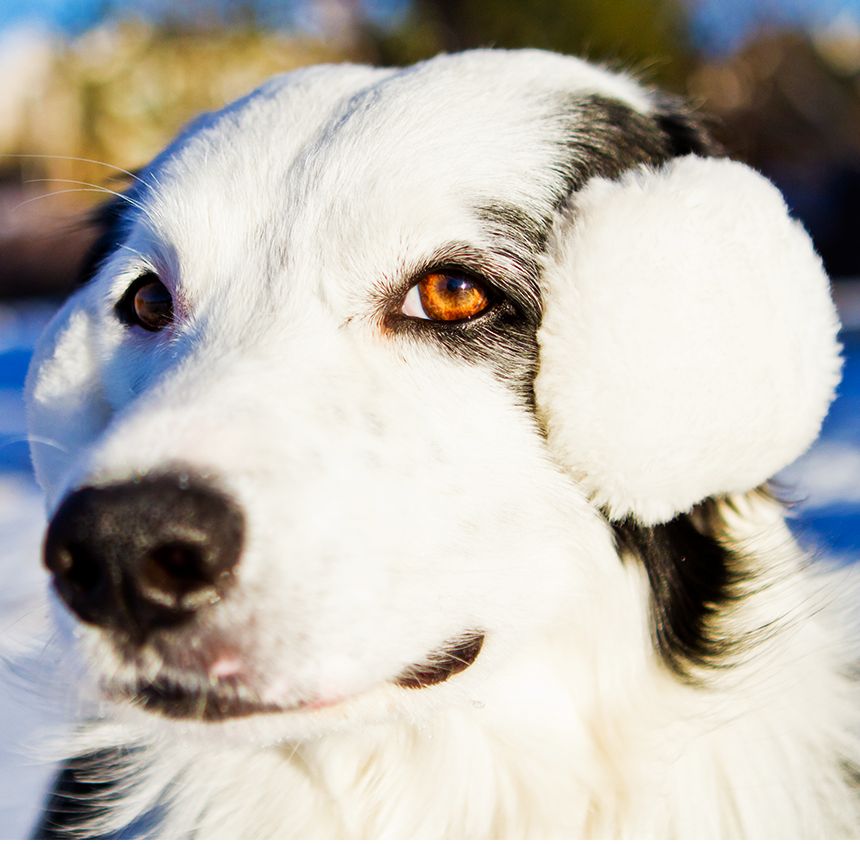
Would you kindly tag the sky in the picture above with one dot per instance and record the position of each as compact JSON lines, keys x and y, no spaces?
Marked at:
{"x":719,"y":26}
{"x":75,"y":16}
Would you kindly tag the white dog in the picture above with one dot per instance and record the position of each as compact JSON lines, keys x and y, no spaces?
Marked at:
{"x":414,"y":429}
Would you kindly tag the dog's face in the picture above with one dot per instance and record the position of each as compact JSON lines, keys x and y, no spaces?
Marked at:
{"x":303,"y":459}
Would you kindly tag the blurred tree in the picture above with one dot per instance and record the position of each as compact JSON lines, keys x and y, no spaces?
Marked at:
{"x":788,"y":104}
{"x":651,"y":36}
{"x":115,"y":94}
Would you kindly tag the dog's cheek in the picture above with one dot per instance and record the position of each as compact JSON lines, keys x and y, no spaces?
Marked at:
{"x":435,"y":534}
{"x":66,"y":408}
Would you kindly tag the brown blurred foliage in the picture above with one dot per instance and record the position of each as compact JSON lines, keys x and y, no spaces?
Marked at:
{"x":649,"y":36}
{"x":114,"y":96}
{"x":789,"y":104}
{"x":119,"y":92}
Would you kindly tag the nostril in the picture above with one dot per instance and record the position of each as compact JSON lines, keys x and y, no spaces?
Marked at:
{"x":81,"y":570}
{"x":80,"y":577}
{"x":180,"y":574}
{"x":59,"y":561}
{"x":75,"y":566}
{"x":181,"y":562}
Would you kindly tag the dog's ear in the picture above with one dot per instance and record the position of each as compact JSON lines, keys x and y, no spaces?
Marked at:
{"x":688,"y":346}
{"x":65,"y":405}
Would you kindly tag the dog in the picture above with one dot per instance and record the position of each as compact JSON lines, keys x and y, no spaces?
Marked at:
{"x":415,"y":429}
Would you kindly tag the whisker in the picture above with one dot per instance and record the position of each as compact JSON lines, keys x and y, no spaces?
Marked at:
{"x":295,"y":752}
{"x":13,"y":622}
{"x":447,"y":655}
{"x":24,"y":438}
{"x":49,"y":643}
{"x":134,"y":252}
{"x":60,"y":192}
{"x":117,"y":194}
{"x":82,"y":160}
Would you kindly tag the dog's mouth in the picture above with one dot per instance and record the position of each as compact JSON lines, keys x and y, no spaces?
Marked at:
{"x":172,"y":698}
{"x":454,"y":657}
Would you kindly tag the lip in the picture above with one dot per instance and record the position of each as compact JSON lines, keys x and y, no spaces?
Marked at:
{"x":170,"y":699}
{"x":452,"y":658}
{"x":222,"y":701}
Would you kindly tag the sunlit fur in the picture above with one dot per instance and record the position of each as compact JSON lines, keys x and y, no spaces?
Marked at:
{"x":399,"y":489}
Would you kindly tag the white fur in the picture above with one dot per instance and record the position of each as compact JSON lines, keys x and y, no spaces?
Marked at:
{"x":689,"y":340}
{"x":397,"y":495}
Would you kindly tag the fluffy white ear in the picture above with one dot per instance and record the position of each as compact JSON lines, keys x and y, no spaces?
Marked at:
{"x":65,"y":405}
{"x":688,"y":345}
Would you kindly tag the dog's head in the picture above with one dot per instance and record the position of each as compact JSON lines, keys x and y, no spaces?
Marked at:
{"x":371,"y":360}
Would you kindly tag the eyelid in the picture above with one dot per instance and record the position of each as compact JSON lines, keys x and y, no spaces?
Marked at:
{"x":136,"y":256}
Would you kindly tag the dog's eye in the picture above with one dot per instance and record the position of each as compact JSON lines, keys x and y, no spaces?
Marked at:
{"x":147,"y":303}
{"x":446,"y":297}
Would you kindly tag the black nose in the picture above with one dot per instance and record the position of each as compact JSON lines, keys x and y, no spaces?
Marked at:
{"x":143,"y":555}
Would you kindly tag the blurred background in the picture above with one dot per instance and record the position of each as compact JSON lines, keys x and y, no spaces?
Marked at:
{"x":91,"y":86}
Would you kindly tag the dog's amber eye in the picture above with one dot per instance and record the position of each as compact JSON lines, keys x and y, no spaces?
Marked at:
{"x":147,"y":303}
{"x":446,"y":297}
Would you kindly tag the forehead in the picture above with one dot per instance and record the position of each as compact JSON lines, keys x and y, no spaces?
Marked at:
{"x":340,"y":172}
{"x":454,"y":108}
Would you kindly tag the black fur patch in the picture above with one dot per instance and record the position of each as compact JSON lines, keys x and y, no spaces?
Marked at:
{"x":83,"y":793}
{"x":78,"y":796}
{"x":599,"y":137}
{"x":521,"y":236}
{"x":691,"y":574}
{"x":687,"y":132}
{"x":605,"y":138}
{"x":693,"y":577}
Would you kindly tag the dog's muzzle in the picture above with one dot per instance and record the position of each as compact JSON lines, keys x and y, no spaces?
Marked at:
{"x":143,"y":555}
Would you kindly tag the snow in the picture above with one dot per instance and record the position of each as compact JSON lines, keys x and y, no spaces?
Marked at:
{"x":24,"y":716}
